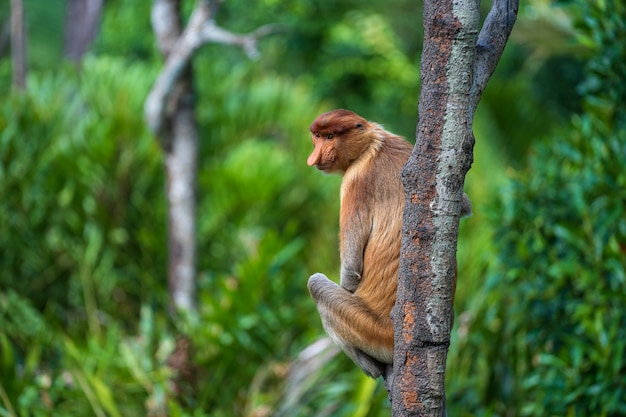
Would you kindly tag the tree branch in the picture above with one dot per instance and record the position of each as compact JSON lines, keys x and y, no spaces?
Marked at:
{"x":248,"y":42}
{"x":491,"y":41}
{"x":166,"y":24}
{"x":201,"y":29}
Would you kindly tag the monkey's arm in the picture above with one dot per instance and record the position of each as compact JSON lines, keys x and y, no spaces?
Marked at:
{"x":354,"y":236}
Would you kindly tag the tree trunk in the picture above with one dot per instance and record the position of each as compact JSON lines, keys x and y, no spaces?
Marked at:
{"x":181,"y":167}
{"x":456,"y":64}
{"x":170,"y":115}
{"x":180,"y":143}
{"x":81,"y":26}
{"x":18,"y":43}
{"x":169,"y":112}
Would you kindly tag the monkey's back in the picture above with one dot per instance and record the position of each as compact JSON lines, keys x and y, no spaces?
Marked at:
{"x":382,"y":191}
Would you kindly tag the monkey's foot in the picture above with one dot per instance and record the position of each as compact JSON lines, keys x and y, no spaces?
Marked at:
{"x":370,"y":366}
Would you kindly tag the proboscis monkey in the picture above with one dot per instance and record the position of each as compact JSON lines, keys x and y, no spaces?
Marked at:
{"x":357,"y":313}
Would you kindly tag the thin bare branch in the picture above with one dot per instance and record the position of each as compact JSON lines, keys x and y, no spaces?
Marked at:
{"x":491,"y":42}
{"x":248,"y":42}
{"x":201,"y":29}
{"x":179,"y":52}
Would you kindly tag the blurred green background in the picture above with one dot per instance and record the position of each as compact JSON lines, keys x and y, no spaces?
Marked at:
{"x":540,"y":324}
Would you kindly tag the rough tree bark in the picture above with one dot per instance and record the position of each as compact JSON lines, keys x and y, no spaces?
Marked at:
{"x":456,"y":64}
{"x":169,"y":113}
{"x":18,"y":44}
{"x":81,"y":26}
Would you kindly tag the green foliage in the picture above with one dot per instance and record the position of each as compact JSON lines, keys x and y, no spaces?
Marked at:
{"x":362,"y":51}
{"x":82,"y":207}
{"x":127,"y":30}
{"x":547,"y":335}
{"x":79,"y":179}
{"x":602,"y":29}
{"x":564,"y":250}
{"x":260,"y":238}
{"x":112,"y":375}
{"x":43,"y":22}
{"x":348,"y":52}
{"x":72,"y":165}
{"x":266,"y":144}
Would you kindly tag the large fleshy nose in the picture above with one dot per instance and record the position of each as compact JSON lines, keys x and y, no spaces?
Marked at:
{"x":315,"y":156}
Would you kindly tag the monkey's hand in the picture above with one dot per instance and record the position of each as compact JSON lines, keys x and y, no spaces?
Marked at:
{"x":349,"y":278}
{"x":368,"y":364}
{"x":466,"y":206}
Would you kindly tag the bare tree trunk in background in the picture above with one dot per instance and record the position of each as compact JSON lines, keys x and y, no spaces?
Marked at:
{"x":181,"y":166}
{"x":169,"y":113}
{"x":81,"y":25}
{"x":456,"y":64}
{"x":180,"y":144}
{"x":18,"y":43}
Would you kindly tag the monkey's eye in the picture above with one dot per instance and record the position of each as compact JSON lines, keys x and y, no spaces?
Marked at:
{"x":329,"y":136}
{"x":359,"y":125}
{"x":317,"y":135}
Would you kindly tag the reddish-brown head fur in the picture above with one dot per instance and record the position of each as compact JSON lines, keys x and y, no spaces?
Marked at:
{"x":339,"y":137}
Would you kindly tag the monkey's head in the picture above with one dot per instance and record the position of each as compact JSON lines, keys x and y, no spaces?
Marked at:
{"x":339,"y":137}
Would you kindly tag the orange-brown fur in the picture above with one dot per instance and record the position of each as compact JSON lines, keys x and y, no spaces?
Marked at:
{"x":357,"y":313}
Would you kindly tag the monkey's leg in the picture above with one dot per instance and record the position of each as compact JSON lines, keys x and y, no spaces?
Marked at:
{"x":369,"y":365}
{"x":365,"y":338}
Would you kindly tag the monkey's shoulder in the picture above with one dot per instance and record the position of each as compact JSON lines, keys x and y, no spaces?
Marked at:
{"x":396,"y":147}
{"x":390,"y":159}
